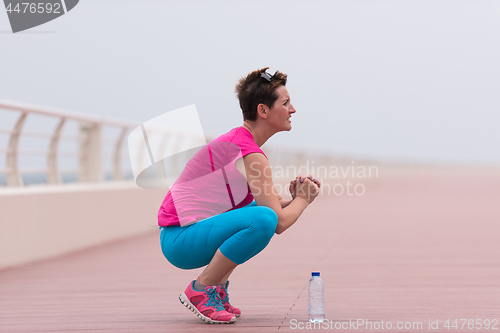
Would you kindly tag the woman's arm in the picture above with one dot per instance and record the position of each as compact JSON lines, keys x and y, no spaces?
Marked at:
{"x":284,"y":202}
{"x":240,"y":165}
{"x":260,"y":180}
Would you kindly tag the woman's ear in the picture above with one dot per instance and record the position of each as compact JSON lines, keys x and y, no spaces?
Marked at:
{"x":262,"y":110}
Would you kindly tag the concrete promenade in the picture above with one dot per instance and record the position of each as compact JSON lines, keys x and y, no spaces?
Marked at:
{"x":411,"y":250}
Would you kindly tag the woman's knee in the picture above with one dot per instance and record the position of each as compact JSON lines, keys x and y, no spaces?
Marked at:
{"x":266,"y":221}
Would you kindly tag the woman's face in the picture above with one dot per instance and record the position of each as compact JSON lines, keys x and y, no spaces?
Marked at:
{"x":282,"y":110}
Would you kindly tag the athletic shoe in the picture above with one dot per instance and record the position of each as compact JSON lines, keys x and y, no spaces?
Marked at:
{"x":224,"y":296}
{"x":206,"y":304}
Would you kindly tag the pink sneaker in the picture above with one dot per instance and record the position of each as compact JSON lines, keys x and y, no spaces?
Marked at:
{"x":206,"y":304}
{"x":224,"y":296}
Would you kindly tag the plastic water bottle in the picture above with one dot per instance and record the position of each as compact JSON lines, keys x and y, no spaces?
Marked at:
{"x":316,"y":292}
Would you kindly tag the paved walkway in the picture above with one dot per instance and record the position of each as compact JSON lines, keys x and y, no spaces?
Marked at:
{"x":408,"y":251}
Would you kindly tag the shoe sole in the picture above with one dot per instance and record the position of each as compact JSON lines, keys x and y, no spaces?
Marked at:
{"x":185,"y":301}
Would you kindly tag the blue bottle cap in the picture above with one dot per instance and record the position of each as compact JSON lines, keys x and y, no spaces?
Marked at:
{"x":315,"y":273}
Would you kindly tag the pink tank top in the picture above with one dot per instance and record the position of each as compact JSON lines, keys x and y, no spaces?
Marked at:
{"x":209,"y":183}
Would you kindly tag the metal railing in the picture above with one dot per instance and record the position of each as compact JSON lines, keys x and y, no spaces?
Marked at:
{"x":89,"y":138}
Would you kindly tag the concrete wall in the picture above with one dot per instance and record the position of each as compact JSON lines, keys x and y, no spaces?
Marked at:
{"x":46,"y":221}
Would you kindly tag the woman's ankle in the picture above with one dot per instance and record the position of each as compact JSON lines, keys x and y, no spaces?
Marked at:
{"x":198,"y":285}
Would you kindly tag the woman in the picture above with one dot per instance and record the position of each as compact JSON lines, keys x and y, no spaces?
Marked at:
{"x":225,"y":226}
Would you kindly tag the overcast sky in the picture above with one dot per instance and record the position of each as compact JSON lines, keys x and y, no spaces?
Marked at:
{"x":398,"y":80}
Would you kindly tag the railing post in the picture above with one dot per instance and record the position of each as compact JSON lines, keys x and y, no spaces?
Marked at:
{"x":52,"y":173}
{"x":117,"y":174}
{"x":90,"y":156}
{"x":13,"y":175}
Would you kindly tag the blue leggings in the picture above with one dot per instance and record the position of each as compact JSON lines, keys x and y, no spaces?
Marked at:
{"x":239,"y":234}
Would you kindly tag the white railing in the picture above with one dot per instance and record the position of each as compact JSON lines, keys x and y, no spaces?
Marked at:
{"x":89,"y":138}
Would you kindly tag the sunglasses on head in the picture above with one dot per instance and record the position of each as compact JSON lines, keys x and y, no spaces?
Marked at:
{"x":266,"y":76}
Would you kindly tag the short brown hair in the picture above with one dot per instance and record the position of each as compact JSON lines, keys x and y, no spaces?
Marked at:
{"x":251,"y":93}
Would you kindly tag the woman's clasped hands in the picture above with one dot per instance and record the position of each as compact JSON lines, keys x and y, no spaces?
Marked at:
{"x":305,"y":187}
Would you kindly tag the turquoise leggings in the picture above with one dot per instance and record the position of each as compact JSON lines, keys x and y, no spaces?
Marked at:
{"x":239,"y":234}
